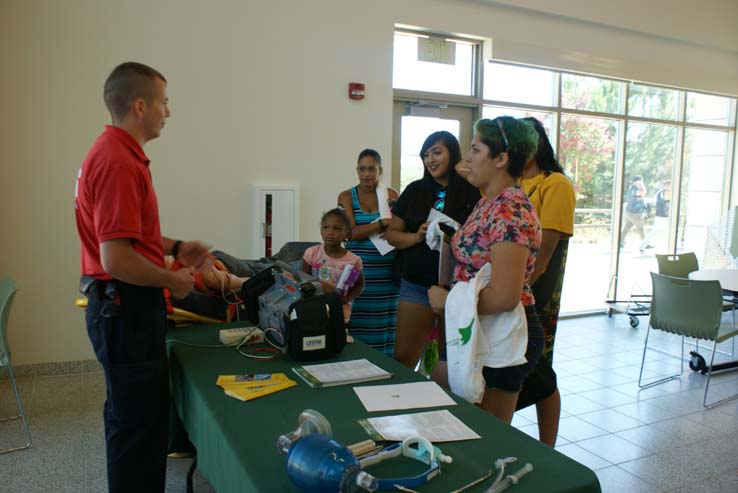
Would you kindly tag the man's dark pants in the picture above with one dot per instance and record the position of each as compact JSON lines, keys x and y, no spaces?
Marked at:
{"x":127,"y":330}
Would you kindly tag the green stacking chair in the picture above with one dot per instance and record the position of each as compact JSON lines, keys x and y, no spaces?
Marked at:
{"x":7,"y":293}
{"x":683,"y":264}
{"x":689,"y":309}
{"x":679,"y":265}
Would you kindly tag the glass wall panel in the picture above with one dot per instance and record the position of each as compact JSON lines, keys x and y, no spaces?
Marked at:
{"x":653,"y":102}
{"x":701,"y":190}
{"x":708,"y":109}
{"x":410,"y":73}
{"x":649,"y":162}
{"x":588,"y":153}
{"x":580,"y":92}
{"x":516,"y":84}
{"x":544,"y":117}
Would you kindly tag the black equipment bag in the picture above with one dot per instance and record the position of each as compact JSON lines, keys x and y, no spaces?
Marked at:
{"x":315,"y":330}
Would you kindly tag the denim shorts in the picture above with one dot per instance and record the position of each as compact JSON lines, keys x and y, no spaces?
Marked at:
{"x":511,"y":379}
{"x":413,"y":293}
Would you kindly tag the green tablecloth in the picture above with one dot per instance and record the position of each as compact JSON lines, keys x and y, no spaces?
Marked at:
{"x":236,"y":441}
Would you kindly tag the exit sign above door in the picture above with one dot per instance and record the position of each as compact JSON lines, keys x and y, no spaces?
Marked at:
{"x":436,"y":50}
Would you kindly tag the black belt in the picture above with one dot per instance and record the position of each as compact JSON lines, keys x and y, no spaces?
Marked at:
{"x":97,"y":289}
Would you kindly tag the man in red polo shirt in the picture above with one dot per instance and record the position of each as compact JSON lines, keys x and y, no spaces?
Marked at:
{"x":123,"y":273}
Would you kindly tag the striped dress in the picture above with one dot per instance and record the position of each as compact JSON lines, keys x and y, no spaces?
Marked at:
{"x":374,"y":313}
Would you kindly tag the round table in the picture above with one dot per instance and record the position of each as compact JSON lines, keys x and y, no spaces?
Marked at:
{"x":728,"y":278}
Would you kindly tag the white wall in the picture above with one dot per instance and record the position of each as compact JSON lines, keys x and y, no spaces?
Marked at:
{"x":710,"y":23}
{"x":258,"y":95}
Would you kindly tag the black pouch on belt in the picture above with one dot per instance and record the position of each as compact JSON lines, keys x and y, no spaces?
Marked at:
{"x":103,"y":291}
{"x":87,"y":284}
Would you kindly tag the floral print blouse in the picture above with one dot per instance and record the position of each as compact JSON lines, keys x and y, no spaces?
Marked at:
{"x":508,"y":217}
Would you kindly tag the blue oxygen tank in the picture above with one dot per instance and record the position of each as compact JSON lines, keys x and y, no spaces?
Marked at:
{"x":319,"y":464}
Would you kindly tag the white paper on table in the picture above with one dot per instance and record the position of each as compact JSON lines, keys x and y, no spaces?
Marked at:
{"x":436,"y":426}
{"x":357,"y":369}
{"x":403,"y":396}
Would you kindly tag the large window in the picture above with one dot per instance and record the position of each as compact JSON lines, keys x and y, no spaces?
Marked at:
{"x":608,"y":133}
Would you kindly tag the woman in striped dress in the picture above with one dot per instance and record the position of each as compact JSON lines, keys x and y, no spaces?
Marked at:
{"x":375,"y":311}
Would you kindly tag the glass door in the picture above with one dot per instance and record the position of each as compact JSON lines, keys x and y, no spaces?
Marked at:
{"x":588,"y":151}
{"x":650,"y":153}
{"x":413,"y":122}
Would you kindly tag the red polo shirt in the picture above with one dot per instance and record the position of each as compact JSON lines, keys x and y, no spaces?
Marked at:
{"x":115,"y":198}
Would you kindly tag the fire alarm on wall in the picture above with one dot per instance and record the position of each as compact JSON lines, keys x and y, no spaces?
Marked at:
{"x":356,"y":90}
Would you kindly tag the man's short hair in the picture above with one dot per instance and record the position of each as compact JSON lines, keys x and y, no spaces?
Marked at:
{"x":128,"y":81}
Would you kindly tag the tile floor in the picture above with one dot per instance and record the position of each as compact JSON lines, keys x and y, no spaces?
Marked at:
{"x":68,"y":449}
{"x":653,"y":440}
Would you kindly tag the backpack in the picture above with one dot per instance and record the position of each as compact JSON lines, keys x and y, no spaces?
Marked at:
{"x":662,"y":205}
{"x":634,"y":202}
{"x":315,"y":330}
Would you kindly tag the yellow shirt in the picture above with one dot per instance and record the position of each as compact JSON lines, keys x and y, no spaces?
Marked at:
{"x":554,"y":200}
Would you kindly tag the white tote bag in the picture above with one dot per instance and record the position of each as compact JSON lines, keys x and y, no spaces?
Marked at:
{"x":473,"y":342}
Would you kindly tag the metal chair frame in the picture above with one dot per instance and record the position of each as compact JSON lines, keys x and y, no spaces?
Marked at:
{"x":7,"y":294}
{"x":674,"y":323}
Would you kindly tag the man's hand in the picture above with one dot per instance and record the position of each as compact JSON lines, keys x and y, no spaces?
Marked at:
{"x":181,"y":282}
{"x":194,"y":254}
{"x":121,"y":261}
{"x":437,"y":298}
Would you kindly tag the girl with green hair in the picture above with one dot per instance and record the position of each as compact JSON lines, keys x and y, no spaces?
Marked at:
{"x":502,"y":230}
